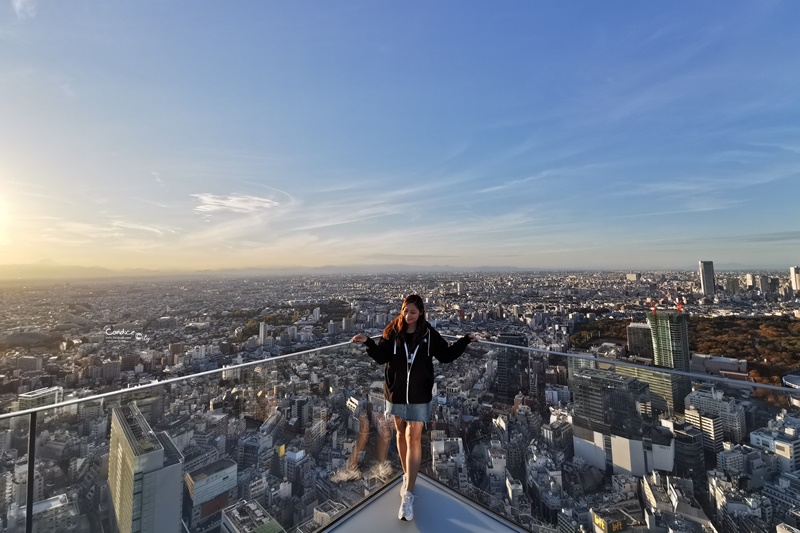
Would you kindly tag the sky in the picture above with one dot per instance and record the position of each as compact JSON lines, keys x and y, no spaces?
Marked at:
{"x":543,"y":135}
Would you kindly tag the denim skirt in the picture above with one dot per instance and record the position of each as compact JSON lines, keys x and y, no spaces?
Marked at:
{"x":410,"y":412}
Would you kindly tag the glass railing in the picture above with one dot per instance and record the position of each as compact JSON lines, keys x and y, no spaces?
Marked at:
{"x":552,"y":441}
{"x":294,"y":443}
{"x":289,"y":443}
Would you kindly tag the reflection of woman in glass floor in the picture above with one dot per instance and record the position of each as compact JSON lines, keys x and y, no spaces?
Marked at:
{"x":364,"y":411}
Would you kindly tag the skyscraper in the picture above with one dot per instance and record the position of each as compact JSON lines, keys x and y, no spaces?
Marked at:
{"x":670,"y":331}
{"x":707,"y":286}
{"x":608,"y":403}
{"x":711,"y":402}
{"x":794,"y":278}
{"x":145,"y":474}
{"x":640,"y":340}
{"x":609,"y":429}
{"x":509,"y":366}
{"x":689,"y":456}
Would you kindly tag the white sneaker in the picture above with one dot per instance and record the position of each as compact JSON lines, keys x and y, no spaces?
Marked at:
{"x":346,"y":474}
{"x":385,"y":469}
{"x":406,"y":511}
{"x":403,"y":485}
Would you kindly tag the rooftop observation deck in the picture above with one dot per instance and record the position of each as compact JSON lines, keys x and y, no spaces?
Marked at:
{"x":291,"y":423}
{"x":436,"y":508}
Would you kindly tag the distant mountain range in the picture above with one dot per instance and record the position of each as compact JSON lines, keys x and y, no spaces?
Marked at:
{"x":49,"y":270}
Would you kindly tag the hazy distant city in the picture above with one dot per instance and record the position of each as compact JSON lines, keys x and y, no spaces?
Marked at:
{"x":605,"y":441}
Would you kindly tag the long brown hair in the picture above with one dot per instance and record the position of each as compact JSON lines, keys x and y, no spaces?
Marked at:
{"x":398,"y":326}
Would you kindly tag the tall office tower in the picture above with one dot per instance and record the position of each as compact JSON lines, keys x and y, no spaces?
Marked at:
{"x":511,"y":366}
{"x":711,"y":402}
{"x":608,"y":427}
{"x":710,"y":426}
{"x":761,"y":283}
{"x":640,"y":340}
{"x":608,"y":403}
{"x":537,"y":366}
{"x":707,"y":278}
{"x":794,"y":278}
{"x":670,"y":330}
{"x":732,"y":285}
{"x":145,"y":472}
{"x":689,"y":456}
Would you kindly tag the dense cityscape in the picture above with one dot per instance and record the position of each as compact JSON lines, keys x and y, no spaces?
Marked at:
{"x":242,"y":435}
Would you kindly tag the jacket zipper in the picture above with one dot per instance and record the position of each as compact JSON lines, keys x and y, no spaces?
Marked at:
{"x":408,"y":371}
{"x":408,"y":378}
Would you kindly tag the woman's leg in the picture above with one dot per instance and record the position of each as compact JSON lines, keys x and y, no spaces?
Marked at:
{"x":400,"y":425}
{"x":384,"y":436}
{"x":413,"y":438}
{"x":361,"y":443}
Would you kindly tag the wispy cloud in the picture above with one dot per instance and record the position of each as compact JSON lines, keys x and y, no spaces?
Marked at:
{"x":515,"y":183}
{"x":212,"y":203}
{"x":72,"y":233}
{"x":24,"y":9}
{"x":141,"y":227}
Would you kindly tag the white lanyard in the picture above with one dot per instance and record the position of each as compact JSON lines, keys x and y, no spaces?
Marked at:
{"x":410,"y":357}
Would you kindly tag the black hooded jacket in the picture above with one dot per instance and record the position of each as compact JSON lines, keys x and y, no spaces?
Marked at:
{"x":404,"y":383}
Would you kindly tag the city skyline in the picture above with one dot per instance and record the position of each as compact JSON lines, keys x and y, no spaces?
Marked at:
{"x":585,"y":137}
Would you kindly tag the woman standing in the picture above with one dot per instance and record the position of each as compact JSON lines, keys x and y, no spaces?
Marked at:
{"x":406,"y":348}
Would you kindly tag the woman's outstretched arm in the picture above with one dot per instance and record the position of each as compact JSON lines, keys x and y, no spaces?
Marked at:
{"x":447,"y":353}
{"x":381,"y":352}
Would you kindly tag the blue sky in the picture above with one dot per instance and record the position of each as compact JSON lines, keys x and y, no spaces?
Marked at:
{"x":192,"y":135}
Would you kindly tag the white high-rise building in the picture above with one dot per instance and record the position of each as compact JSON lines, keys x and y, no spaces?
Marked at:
{"x":707,"y":286}
{"x":711,"y":402}
{"x":794,"y":278}
{"x":145,"y":475}
{"x":710,"y":426}
{"x":785,"y":446}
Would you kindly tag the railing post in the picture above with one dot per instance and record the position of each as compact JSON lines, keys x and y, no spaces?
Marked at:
{"x":31,"y":466}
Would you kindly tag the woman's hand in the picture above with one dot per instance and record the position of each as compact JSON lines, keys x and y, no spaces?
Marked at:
{"x":359,"y":338}
{"x":473,"y":337}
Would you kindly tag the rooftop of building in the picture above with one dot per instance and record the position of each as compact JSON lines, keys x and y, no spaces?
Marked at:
{"x":51,"y":503}
{"x":216,"y":467}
